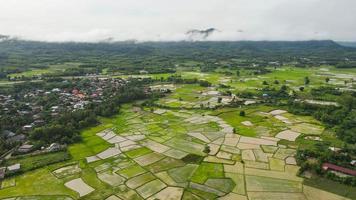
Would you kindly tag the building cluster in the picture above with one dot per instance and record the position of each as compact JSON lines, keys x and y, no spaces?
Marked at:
{"x":39,"y":106}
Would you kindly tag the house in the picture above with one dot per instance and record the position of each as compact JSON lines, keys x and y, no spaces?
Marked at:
{"x":14,"y":168}
{"x":55,"y":108}
{"x":36,"y":117}
{"x":8,"y":134}
{"x":54,"y":147}
{"x":16,"y":138}
{"x":39,"y":122}
{"x":36,"y":109}
{"x":25,"y":148}
{"x":56,"y":90}
{"x":27,"y":128}
{"x":334,"y":149}
{"x":78,"y":106}
{"x":353,"y":162}
{"x":80,"y":96}
{"x":336,"y":168}
{"x":143,"y":72}
{"x":75,"y":92}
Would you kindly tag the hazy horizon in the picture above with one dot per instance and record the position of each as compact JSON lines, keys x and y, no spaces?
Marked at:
{"x":158,"y":20}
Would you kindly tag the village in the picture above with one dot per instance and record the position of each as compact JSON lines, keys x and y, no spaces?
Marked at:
{"x":27,"y":104}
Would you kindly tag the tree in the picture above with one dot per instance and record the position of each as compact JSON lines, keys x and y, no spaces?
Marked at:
{"x":327,"y":79}
{"x":347,"y":101}
{"x":206,"y":149}
{"x":219,"y":99}
{"x":242,"y":113}
{"x":284,"y":88}
{"x":204,"y":83}
{"x":238,"y":73}
{"x":306,"y":80}
{"x":264,"y":83}
{"x":276,"y":82}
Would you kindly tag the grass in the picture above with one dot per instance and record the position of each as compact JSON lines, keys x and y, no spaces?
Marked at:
{"x":153,"y":76}
{"x":262,"y":125}
{"x":188,"y":93}
{"x":239,"y":183}
{"x":91,"y":144}
{"x":203,"y":194}
{"x":183,"y":174}
{"x":32,"y":72}
{"x":38,"y":182}
{"x":331,"y":186}
{"x":170,"y":130}
{"x":263,"y":184}
{"x":165,"y":164}
{"x":33,"y":162}
{"x":131,"y":171}
{"x":50,"y":70}
{"x":89,"y":176}
{"x":190,"y":196}
{"x":140,"y":180}
{"x":138,"y":152}
{"x":223,"y":184}
{"x":10,"y":182}
{"x":187,"y":146}
{"x":307,"y":128}
{"x":42,"y":182}
{"x":151,"y":188}
{"x":276,"y":164}
{"x":206,"y":171}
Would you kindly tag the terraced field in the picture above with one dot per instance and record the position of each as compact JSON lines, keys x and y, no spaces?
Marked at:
{"x":163,"y":155}
{"x":184,"y":152}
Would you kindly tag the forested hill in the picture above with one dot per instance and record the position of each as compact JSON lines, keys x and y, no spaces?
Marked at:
{"x":348,"y":44}
{"x":19,"y":52}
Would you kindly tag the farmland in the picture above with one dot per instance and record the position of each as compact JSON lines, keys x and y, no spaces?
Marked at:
{"x":158,"y":151}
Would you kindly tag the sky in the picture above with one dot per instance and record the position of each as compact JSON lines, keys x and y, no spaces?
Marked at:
{"x":170,"y":20}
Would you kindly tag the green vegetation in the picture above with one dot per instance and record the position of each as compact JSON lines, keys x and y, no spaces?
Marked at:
{"x":192,"y":121}
{"x":208,"y":170}
{"x":37,"y":161}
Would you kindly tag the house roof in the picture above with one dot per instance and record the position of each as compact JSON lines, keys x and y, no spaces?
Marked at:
{"x":8,"y":133}
{"x":17,"y":138}
{"x":14,"y":167}
{"x":26,"y":146}
{"x":344,"y":170}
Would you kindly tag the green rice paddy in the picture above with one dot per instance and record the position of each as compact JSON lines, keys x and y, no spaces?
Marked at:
{"x":165,"y":150}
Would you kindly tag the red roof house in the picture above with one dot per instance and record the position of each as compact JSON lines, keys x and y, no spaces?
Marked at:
{"x":329,"y":166}
{"x":75,"y":92}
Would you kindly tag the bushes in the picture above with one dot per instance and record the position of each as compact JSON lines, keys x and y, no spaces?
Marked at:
{"x":242,"y":113}
{"x":179,"y":79}
{"x":204,"y":83}
{"x":65,"y":129}
{"x":321,"y":91}
{"x":312,"y":160}
{"x":55,"y":133}
{"x":346,"y":65}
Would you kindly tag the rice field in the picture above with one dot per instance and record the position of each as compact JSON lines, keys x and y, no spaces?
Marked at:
{"x":186,"y":153}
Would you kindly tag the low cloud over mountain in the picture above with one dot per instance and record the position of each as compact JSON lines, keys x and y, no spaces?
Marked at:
{"x":196,"y":34}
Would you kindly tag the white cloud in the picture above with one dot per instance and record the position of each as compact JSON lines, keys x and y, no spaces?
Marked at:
{"x":94,"y":20}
